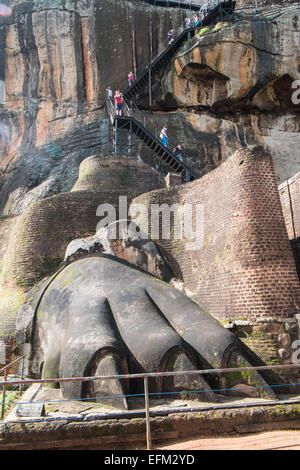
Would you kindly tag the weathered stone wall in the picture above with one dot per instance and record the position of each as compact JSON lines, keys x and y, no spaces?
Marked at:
{"x":290,"y":199}
{"x":124,"y":433}
{"x":59,"y":57}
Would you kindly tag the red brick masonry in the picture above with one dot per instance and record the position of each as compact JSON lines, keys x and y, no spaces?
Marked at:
{"x":290,"y":199}
{"x":245,"y":269}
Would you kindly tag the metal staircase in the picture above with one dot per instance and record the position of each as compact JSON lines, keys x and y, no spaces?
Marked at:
{"x":173,"y":4}
{"x":145,"y":75}
{"x":128,"y":122}
{"x":131,"y":124}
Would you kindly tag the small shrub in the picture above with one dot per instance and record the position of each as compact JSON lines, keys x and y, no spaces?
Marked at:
{"x":219,"y":26}
{"x":203,"y":31}
{"x":10,"y":400}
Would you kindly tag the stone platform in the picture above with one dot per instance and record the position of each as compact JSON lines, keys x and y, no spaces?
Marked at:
{"x":88,"y":425}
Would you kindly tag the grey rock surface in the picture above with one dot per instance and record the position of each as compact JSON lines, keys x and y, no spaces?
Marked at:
{"x":103,"y":317}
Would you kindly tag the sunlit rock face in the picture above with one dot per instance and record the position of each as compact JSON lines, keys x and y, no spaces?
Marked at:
{"x":249,"y":63}
{"x":224,"y":90}
{"x":229,"y":88}
{"x":236,"y":84}
{"x":57,"y":59}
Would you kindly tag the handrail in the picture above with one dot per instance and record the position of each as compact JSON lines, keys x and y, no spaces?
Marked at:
{"x":192,"y":5}
{"x":8,"y":366}
{"x":157,"y":55}
{"x":128,"y":114}
{"x":151,"y":374}
{"x":147,"y":376}
{"x":5,"y":370}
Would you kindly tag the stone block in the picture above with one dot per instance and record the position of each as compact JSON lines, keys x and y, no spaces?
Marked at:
{"x":173,"y":179}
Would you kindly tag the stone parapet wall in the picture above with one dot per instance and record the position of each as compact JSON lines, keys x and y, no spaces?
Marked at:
{"x":41,"y":233}
{"x":131,"y":433}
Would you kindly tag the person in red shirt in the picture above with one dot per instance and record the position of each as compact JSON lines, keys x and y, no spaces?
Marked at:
{"x":130,"y":78}
{"x":118,"y":103}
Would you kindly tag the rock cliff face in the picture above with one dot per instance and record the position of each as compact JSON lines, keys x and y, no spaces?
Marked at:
{"x":226,"y":89}
{"x":229,"y":88}
{"x":59,"y":59}
{"x":232,"y":85}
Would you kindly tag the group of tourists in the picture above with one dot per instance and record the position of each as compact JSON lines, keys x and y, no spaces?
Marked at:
{"x":195,"y":20}
{"x":117,"y":97}
{"x":164,"y":138}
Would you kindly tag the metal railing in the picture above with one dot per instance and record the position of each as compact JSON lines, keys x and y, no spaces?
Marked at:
{"x":6,"y":370}
{"x":204,"y":14}
{"x":146,"y":394}
{"x":192,"y":5}
{"x":128,"y":112}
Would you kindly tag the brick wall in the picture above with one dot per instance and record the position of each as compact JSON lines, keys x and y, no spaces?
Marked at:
{"x":245,"y":269}
{"x":289,"y":192}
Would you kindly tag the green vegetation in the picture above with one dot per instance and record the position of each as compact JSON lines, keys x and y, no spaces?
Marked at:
{"x":219,"y":26}
{"x":215,"y":29}
{"x":10,"y":400}
{"x":204,"y":31}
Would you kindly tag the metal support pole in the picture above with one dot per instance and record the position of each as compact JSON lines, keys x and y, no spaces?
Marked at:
{"x":116,"y":136}
{"x":22,"y":376}
{"x":108,"y":134}
{"x":130,"y":138}
{"x":150,"y":90}
{"x":3,"y":394}
{"x":147,"y":410}
{"x":188,"y":176}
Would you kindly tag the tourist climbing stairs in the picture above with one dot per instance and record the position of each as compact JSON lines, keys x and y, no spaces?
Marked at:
{"x":145,"y":74}
{"x":131,"y":124}
{"x":128,"y":122}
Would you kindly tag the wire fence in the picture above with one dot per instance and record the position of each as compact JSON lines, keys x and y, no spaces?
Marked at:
{"x":146,"y":394}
